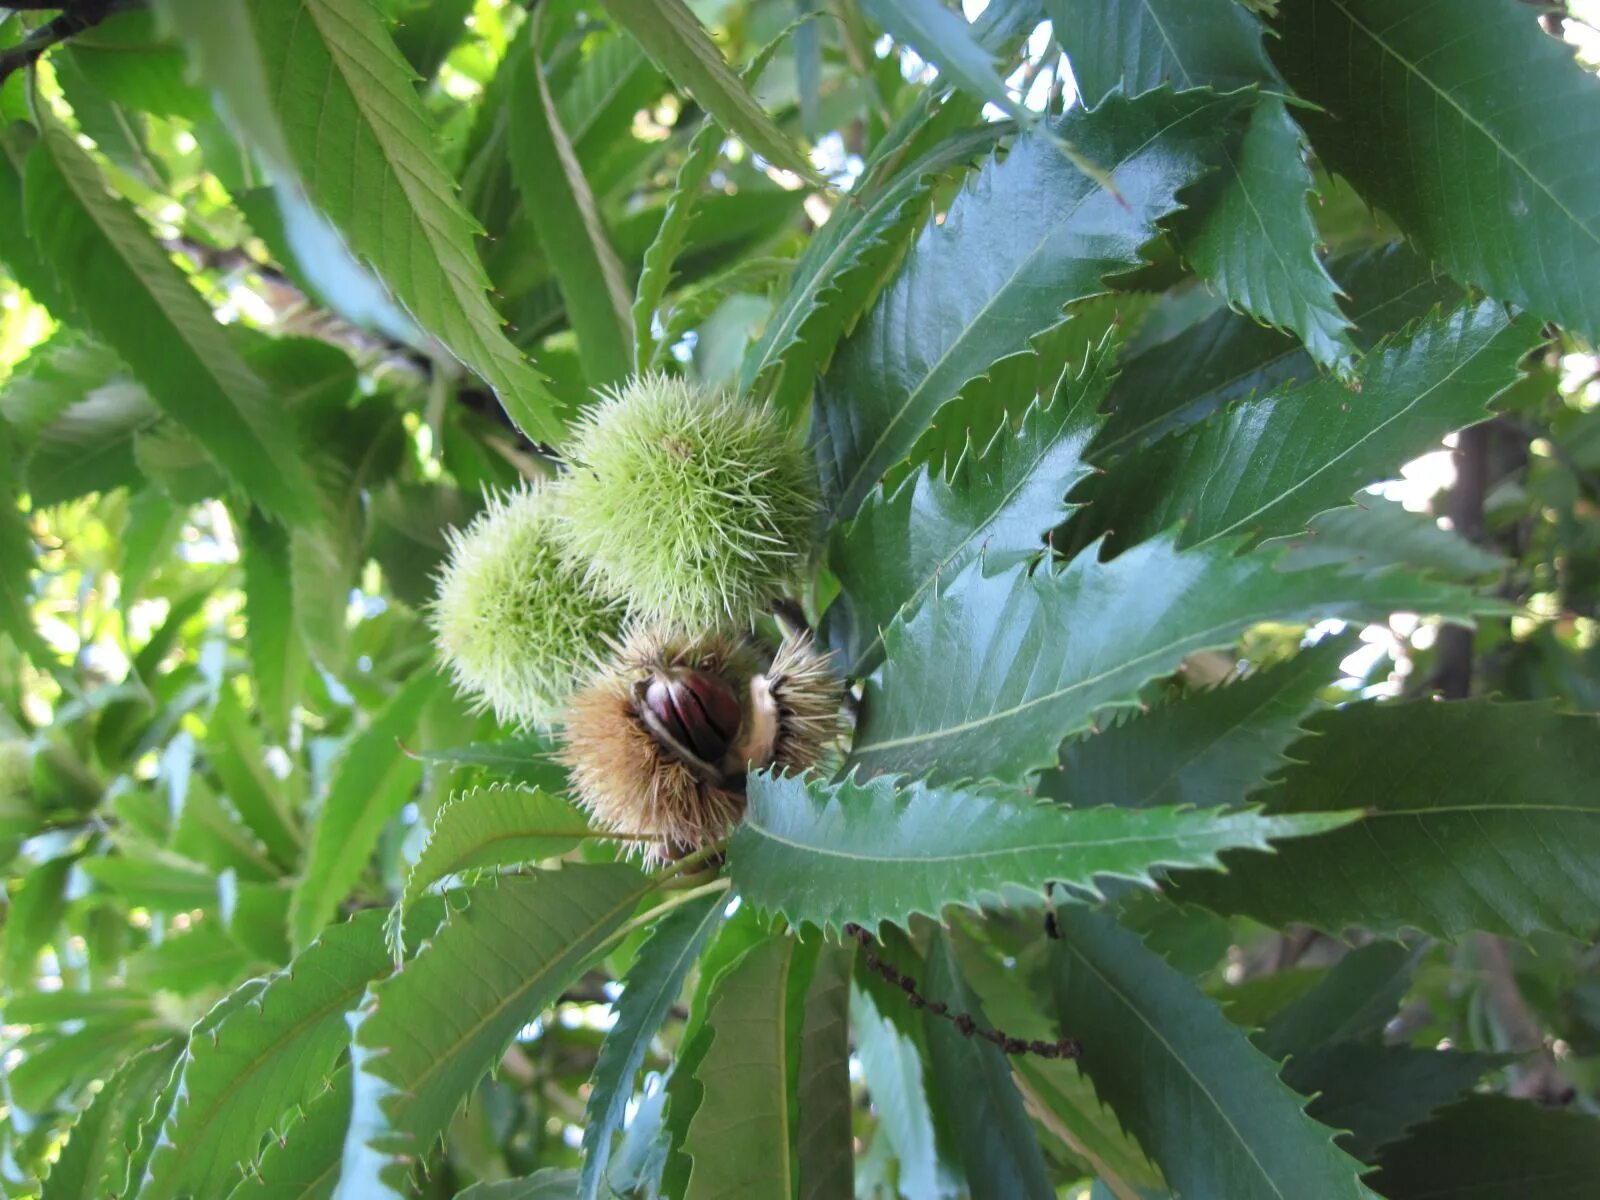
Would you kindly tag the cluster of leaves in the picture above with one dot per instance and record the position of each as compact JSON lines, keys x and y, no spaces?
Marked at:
{"x":1099,"y":367}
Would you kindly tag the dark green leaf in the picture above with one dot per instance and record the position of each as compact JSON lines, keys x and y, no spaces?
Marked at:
{"x":16,"y":558}
{"x":649,"y":991}
{"x":277,"y":656}
{"x":138,"y":303}
{"x":1136,"y":46}
{"x":1494,"y":1148}
{"x":92,"y":1163}
{"x":1375,"y":1093}
{"x":1206,"y":1105}
{"x":1375,"y":532}
{"x":990,"y":674}
{"x":1030,"y":235}
{"x":972,"y":1084}
{"x":1181,"y":379}
{"x":1268,"y":465}
{"x":827,"y":854}
{"x":997,"y":502}
{"x":1459,"y":145}
{"x":1352,"y":1002}
{"x":1480,"y":816}
{"x":1208,"y":748}
{"x":304,"y":1163}
{"x":548,"y":1184}
{"x":823,"y":1134}
{"x":427,"y":1035}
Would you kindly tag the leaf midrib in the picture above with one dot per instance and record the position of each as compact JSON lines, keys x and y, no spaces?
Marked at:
{"x":1510,"y":156}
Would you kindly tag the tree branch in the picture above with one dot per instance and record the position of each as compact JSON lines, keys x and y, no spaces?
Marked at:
{"x":73,"y":19}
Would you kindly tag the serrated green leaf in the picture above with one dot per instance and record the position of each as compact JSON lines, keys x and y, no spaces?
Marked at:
{"x":1457,"y":145}
{"x":52,"y":378}
{"x":1268,"y":465}
{"x":1254,"y":239}
{"x":138,"y":303}
{"x":1030,"y":235}
{"x":159,"y":881}
{"x":843,"y":265}
{"x":649,"y":991}
{"x":1175,"y":381}
{"x":528,"y":759}
{"x":1375,"y":532}
{"x":319,"y":86}
{"x":197,"y":961}
{"x":740,"y":1139}
{"x":16,"y":558}
{"x":1375,"y":1093}
{"x":998,"y":1148}
{"x":1137,"y":46}
{"x":56,"y":1064}
{"x":264,"y":1058}
{"x":1206,"y":749}
{"x":823,"y":1138}
{"x":1251,"y":235}
{"x":425,"y":1036}
{"x":371,"y":783}
{"x":1494,"y":1148}
{"x":832,"y":853}
{"x":672,"y":35}
{"x":943,"y":38}
{"x":1485,"y":815}
{"x":303,"y":1163}
{"x":998,"y":502}
{"x":429,"y":31}
{"x":89,"y":446}
{"x":236,"y":754}
{"x":1205,"y":1104}
{"x":990,"y":674}
{"x":496,"y":826}
{"x":92,"y":1162}
{"x":556,"y":197}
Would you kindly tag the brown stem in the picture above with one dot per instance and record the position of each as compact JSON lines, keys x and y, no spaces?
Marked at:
{"x":965,"y":1022}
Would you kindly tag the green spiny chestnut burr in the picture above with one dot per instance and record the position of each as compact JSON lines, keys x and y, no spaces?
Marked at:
{"x":691,"y":505}
{"x":517,"y":623}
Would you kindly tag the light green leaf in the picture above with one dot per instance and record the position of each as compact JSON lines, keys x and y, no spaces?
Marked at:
{"x":1206,"y":749}
{"x":427,"y":1035}
{"x":998,"y":501}
{"x":672,"y":35}
{"x":303,"y":1163}
{"x":371,"y":783}
{"x":267,"y":1056}
{"x":1458,"y":145}
{"x":1030,"y":235}
{"x":1270,"y":464}
{"x":277,"y":655}
{"x":891,"y":1066}
{"x":92,"y":1163}
{"x":943,"y":38}
{"x":972,"y":1084}
{"x":1494,"y":1148}
{"x":235,"y":752}
{"x":557,"y":199}
{"x":990,"y":674}
{"x":16,"y":558}
{"x":320,"y":86}
{"x":548,"y":1184}
{"x":649,"y":991}
{"x":139,"y":304}
{"x":832,"y":853}
{"x":494,"y":826}
{"x":1479,"y":816}
{"x":1205,"y":1104}
{"x":741,"y":1136}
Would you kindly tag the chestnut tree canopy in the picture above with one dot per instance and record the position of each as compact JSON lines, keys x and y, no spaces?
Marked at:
{"x":800,"y":599}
